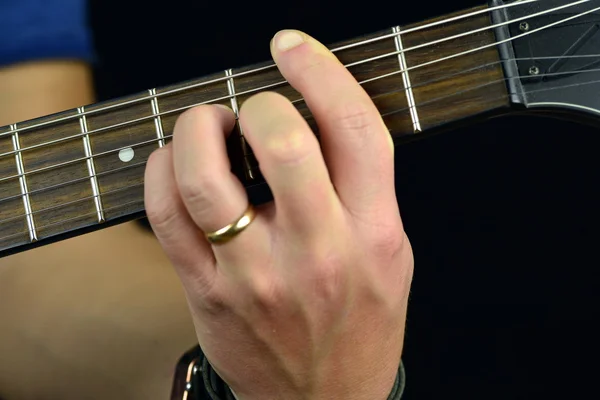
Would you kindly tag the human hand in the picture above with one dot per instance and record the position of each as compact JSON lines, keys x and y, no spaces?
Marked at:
{"x":309,"y":302}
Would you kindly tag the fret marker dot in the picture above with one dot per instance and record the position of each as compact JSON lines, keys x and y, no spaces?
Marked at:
{"x":126,"y":155}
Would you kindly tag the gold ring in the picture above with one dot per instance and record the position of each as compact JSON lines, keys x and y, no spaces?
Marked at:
{"x":230,"y":231}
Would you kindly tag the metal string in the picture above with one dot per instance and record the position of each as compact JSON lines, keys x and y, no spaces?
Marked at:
{"x":371,"y":79}
{"x":141,"y":200}
{"x":71,"y":182}
{"x":85,"y":178}
{"x":169,"y":136}
{"x":64,"y":221}
{"x":152,"y":141}
{"x":270,"y":86}
{"x":50,"y":167}
{"x":273,"y":85}
{"x":69,"y":203}
{"x":270,"y":66}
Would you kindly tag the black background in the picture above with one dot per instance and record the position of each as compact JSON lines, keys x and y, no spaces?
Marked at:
{"x":502,"y":215}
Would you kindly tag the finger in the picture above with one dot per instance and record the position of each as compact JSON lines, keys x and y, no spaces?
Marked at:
{"x":213,"y":196}
{"x":355,"y":141}
{"x":290,"y":160}
{"x":177,"y":233}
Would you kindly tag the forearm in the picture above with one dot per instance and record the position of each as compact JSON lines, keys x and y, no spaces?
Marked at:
{"x":33,"y":89}
{"x":45,"y":52}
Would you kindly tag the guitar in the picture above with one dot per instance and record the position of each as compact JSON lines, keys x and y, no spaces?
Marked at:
{"x":82,"y":170}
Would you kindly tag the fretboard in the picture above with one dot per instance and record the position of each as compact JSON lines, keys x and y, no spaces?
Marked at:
{"x":83,"y":169}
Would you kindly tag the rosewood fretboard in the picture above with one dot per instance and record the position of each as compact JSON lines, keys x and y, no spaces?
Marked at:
{"x":83,"y":169}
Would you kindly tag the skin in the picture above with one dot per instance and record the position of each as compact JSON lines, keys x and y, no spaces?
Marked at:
{"x":319,"y":281}
{"x":100,"y":316}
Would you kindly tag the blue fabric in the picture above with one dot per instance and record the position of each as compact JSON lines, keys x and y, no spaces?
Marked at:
{"x":43,"y":29}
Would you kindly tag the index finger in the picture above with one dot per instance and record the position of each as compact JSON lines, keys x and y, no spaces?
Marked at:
{"x":355,"y":141}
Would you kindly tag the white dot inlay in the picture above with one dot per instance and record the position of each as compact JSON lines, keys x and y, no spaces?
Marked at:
{"x":126,"y":155}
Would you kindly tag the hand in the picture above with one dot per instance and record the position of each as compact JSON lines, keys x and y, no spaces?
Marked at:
{"x":309,"y":302}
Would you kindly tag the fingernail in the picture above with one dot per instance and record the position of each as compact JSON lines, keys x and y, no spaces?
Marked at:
{"x":286,"y":40}
{"x":223,"y":107}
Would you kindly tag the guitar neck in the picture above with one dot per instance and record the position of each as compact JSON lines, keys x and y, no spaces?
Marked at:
{"x":83,"y":169}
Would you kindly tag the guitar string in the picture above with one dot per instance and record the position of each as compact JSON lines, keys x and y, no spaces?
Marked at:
{"x":271,"y":66}
{"x":570,"y":72}
{"x":94,"y":213}
{"x":271,"y":86}
{"x":156,"y":115}
{"x":425,"y":83}
{"x":280,"y":83}
{"x":72,"y":182}
{"x":81,"y":216}
{"x":154,"y":140}
{"x":73,"y":202}
{"x":100,"y":154}
{"x":129,"y":187}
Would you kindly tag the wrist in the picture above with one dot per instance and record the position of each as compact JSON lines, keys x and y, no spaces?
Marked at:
{"x":226,"y":393}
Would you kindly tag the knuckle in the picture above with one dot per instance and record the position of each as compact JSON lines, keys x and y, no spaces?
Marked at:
{"x":313,"y":64}
{"x":387,"y":241}
{"x":281,"y":137}
{"x":267,"y":293}
{"x":161,"y":216}
{"x":288,"y":146}
{"x":198,"y":188}
{"x":355,"y":119}
{"x":163,"y":219}
{"x":209,"y":299}
{"x":329,"y":285}
{"x":328,"y":276}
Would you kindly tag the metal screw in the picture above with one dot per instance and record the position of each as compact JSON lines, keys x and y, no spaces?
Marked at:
{"x":524,"y":26}
{"x":534,"y":70}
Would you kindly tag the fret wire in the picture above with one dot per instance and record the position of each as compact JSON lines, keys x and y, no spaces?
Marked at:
{"x":33,"y":237}
{"x":236,"y":111}
{"x":194,"y":105}
{"x":383,"y":115}
{"x":266,"y":67}
{"x":414,"y":116}
{"x":231,"y":90}
{"x":157,"y":120}
{"x":347,"y":66}
{"x":90,"y":164}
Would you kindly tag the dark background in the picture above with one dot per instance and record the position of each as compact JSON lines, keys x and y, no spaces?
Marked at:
{"x":502,"y":215}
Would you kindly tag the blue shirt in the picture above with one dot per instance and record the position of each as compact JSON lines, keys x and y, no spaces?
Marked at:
{"x":44,"y":29}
